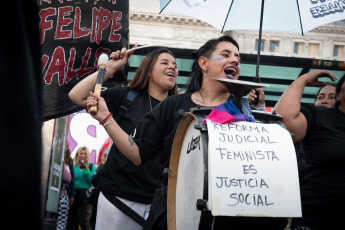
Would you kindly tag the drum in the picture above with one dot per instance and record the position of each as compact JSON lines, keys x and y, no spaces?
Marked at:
{"x":187,"y":182}
{"x":188,"y":173}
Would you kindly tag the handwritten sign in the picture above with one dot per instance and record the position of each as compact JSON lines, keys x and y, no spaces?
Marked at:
{"x":252,"y":170}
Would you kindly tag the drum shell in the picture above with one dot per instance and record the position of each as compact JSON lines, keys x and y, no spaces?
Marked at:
{"x":204,"y":218}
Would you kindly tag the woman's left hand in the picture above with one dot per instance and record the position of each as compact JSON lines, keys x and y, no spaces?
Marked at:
{"x":252,"y":96}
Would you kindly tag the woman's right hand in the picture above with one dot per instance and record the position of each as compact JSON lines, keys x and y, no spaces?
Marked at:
{"x":83,"y":163}
{"x":103,"y":110}
{"x":118,"y":60}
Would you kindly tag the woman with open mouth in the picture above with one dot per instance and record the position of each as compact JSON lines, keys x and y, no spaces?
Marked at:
{"x":155,"y":132}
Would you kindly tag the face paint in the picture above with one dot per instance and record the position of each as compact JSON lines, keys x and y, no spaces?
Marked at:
{"x":159,"y":66}
{"x":215,"y":57}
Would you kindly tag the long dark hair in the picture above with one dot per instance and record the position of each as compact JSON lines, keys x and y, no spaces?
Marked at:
{"x":206,"y":50}
{"x":338,"y":89}
{"x":141,"y":80}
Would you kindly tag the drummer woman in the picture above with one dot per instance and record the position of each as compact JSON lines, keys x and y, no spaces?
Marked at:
{"x":154,"y":134}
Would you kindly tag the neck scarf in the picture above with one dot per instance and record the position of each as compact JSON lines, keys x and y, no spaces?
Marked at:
{"x":228,"y":112}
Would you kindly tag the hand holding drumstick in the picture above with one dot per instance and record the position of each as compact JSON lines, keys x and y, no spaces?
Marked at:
{"x":117,"y":61}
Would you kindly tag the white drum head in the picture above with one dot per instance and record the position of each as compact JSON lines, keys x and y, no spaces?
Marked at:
{"x":190,"y":180}
{"x":187,"y":172}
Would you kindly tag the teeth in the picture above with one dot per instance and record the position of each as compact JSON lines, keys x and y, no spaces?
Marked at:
{"x":230,"y":72}
{"x":230,"y":76}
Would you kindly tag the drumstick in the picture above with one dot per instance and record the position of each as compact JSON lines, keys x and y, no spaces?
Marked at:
{"x":102,"y":64}
{"x":159,"y":44}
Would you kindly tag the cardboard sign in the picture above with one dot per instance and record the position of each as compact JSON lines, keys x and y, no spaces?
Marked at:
{"x":252,"y":170}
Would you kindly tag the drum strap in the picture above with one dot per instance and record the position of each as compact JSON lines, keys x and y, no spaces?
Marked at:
{"x":125,"y":209}
{"x":131,"y":95}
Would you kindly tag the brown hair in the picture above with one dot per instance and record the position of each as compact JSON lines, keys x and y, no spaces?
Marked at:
{"x":141,"y":80}
{"x":68,"y":157}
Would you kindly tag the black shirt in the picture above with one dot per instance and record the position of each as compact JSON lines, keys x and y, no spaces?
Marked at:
{"x":155,"y":134}
{"x":323,"y":186}
{"x":120,"y":176}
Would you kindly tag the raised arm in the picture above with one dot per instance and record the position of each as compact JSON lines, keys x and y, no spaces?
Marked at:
{"x":81,"y":91}
{"x":289,"y":105}
{"x":122,"y":140}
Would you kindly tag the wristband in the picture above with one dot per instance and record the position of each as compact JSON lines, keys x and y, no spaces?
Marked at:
{"x":108,"y":74}
{"x":102,"y":122}
{"x":108,"y":122}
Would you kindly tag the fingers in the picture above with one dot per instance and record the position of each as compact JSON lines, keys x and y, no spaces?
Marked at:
{"x":95,"y":99}
{"x":132,"y":51}
{"x":261,"y":92}
{"x":115,"y":55}
{"x":123,"y":52}
{"x":312,"y":78}
{"x":251,"y":96}
{"x":92,"y":100}
{"x":120,"y":54}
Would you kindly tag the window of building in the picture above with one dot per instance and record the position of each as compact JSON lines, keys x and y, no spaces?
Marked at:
{"x":338,"y":51}
{"x":274,"y":46}
{"x":262,"y":45}
{"x":298,"y":48}
{"x":313,"y":49}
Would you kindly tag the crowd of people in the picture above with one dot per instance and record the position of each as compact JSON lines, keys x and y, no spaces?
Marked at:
{"x":143,"y":133}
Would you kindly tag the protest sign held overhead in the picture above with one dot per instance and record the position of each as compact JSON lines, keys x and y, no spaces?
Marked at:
{"x":73,"y":34}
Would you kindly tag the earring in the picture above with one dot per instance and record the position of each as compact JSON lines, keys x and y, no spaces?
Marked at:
{"x":205,"y":72}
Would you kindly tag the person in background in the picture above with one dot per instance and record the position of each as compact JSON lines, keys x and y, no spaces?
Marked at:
{"x":102,"y":162}
{"x":322,"y":131}
{"x":67,"y":190}
{"x":155,"y":132}
{"x":95,"y":181}
{"x":80,"y":210}
{"x":71,"y":186}
{"x":324,"y":97}
{"x":154,"y":80}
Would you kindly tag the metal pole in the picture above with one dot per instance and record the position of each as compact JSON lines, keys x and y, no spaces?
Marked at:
{"x":259,"y":43}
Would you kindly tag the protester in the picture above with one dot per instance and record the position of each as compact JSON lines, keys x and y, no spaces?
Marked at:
{"x":80,"y":210}
{"x":155,"y":80}
{"x":324,"y":97}
{"x":95,"y":181}
{"x":154,"y":134}
{"x":67,"y":190}
{"x":71,"y":186}
{"x":322,"y":131}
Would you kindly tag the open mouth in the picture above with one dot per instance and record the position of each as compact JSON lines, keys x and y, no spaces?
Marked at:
{"x":170,"y":75}
{"x":230,"y":72}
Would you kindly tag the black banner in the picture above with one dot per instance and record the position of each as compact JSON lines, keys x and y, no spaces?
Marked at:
{"x":73,"y":33}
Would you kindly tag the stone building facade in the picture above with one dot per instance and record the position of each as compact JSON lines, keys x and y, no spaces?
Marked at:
{"x":147,"y":26}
